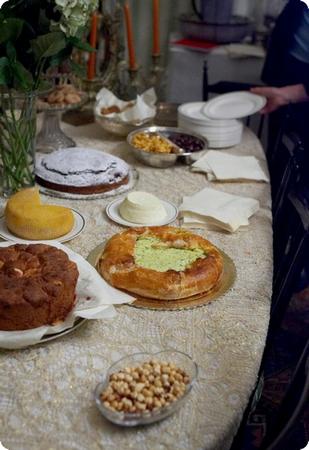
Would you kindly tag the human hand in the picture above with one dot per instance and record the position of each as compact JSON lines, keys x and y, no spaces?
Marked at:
{"x":274,"y":96}
{"x":277,"y":97}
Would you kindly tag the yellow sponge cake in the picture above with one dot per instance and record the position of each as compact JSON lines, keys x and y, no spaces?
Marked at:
{"x":28,"y":218}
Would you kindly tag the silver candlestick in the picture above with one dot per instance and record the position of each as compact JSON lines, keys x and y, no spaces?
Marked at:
{"x":156,"y":79}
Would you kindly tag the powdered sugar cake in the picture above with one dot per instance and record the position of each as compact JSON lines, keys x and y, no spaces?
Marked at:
{"x":81,"y":171}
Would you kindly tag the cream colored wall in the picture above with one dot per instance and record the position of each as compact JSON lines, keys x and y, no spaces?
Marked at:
{"x":169,"y":14}
{"x":142,"y":19}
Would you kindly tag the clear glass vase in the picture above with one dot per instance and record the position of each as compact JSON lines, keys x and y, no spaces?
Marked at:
{"x":17,"y":136}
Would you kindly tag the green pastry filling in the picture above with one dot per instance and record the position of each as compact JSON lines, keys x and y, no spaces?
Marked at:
{"x":151,"y":253}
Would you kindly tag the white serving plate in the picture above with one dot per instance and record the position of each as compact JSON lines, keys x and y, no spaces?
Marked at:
{"x":223,"y":133}
{"x":234,"y":125}
{"x":224,"y":143}
{"x":192,"y":113}
{"x":234,"y":105}
{"x":112,"y":211}
{"x":210,"y":135}
{"x":79,"y":225}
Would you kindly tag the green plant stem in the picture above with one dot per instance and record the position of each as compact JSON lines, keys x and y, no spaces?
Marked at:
{"x":15,"y":142}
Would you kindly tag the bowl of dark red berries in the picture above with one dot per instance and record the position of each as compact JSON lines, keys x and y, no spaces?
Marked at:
{"x":164,"y":146}
{"x":191,"y":145}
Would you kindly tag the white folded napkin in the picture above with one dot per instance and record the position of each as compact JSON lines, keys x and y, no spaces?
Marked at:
{"x":223,"y":166}
{"x":140,"y":109}
{"x":210,"y":207}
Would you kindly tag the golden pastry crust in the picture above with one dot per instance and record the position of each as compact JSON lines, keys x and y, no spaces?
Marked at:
{"x":37,"y":286}
{"x":117,"y":265}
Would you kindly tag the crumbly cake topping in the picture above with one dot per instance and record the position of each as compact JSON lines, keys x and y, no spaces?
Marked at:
{"x":81,"y":167}
{"x":34,"y":273}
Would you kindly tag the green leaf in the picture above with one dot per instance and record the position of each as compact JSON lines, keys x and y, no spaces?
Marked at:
{"x":10,"y":29}
{"x":4,"y":71}
{"x":61,"y":56}
{"x":23,"y":77}
{"x":81,"y":45}
{"x":48,"y":44}
{"x":10,"y":51}
{"x":78,"y":69}
{"x":4,"y":62}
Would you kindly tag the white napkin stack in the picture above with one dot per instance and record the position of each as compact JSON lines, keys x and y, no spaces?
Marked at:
{"x":223,"y":166}
{"x":212,"y":208}
{"x":143,"y":107}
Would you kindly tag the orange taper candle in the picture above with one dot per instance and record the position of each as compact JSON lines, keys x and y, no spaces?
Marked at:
{"x":128,"y":20}
{"x":93,"y":42}
{"x":156,"y":34}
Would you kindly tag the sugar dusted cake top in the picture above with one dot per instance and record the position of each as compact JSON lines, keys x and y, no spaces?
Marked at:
{"x":80,"y":167}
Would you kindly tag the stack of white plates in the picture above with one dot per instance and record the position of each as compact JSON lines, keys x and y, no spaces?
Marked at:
{"x":217,"y":119}
{"x":219,"y":133}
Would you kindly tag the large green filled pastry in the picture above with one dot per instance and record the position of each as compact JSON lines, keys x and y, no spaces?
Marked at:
{"x":164,"y":263}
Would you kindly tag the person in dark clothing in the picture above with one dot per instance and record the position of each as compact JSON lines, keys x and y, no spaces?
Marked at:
{"x":287,"y":61}
{"x":286,"y":70}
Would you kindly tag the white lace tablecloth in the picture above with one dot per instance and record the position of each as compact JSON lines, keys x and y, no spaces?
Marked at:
{"x":46,"y":391}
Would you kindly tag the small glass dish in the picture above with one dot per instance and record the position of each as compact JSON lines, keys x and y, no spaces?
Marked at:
{"x":180,"y":359}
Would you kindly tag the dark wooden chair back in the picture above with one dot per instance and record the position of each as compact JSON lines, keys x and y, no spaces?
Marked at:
{"x":285,"y":163}
{"x":291,"y":408}
{"x":291,"y":248}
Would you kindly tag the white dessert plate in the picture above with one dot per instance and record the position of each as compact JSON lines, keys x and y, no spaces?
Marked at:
{"x":112,"y":211}
{"x":79,"y":225}
{"x":234,"y":105}
{"x":192,"y":113}
{"x":52,"y":336}
{"x":223,"y":133}
{"x":223,"y":144}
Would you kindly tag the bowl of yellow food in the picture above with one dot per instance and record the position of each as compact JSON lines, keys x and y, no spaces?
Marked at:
{"x":163,"y":146}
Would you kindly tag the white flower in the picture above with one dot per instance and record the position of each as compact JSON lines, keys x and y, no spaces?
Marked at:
{"x":74,"y":14}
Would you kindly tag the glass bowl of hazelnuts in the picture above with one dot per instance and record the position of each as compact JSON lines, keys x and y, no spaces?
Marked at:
{"x":143,"y":388}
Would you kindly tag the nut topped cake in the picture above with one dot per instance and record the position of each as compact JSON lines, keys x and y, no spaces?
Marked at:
{"x":37,"y":286}
{"x":81,"y":171}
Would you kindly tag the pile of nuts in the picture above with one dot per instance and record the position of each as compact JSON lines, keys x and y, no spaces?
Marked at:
{"x":145,"y":388}
{"x":152,"y":142}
